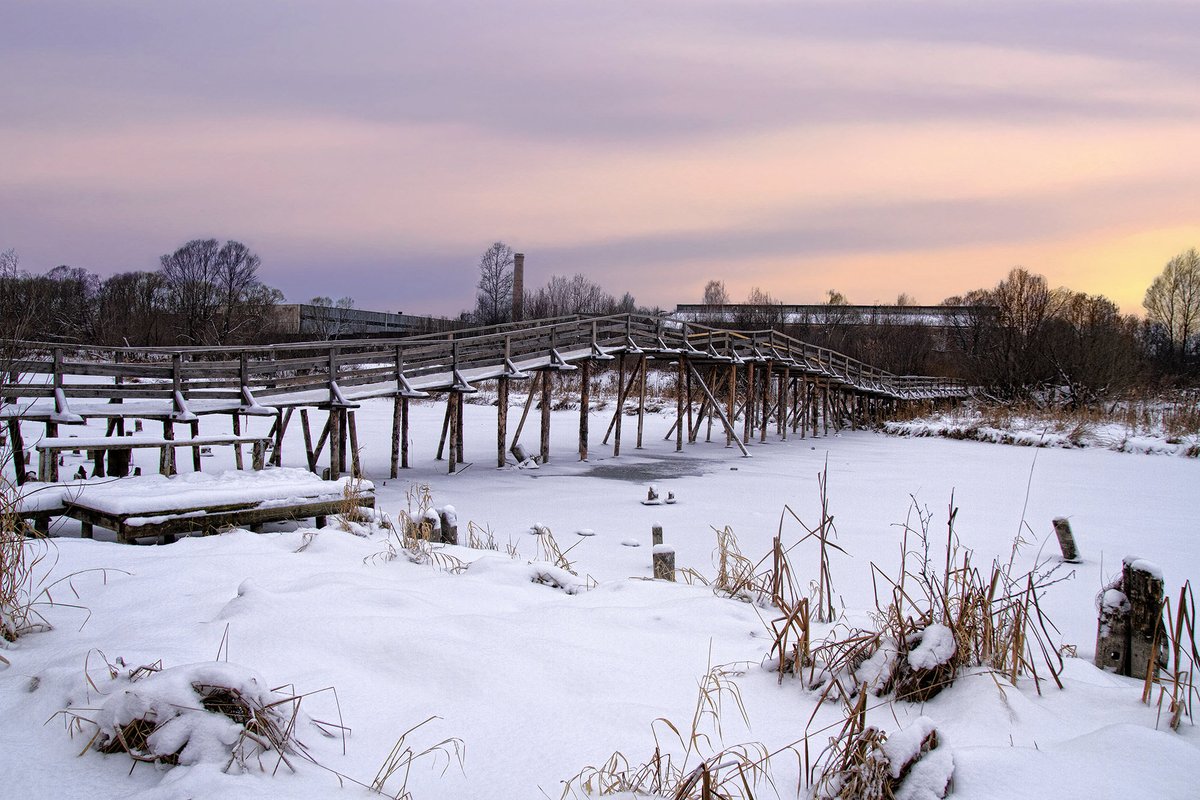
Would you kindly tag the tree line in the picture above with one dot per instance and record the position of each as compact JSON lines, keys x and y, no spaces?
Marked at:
{"x":1017,"y":339}
{"x":203,"y":293}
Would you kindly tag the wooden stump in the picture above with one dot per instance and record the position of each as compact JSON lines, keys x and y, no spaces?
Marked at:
{"x":1143,"y":585}
{"x":656,"y":534}
{"x":664,"y":562}
{"x":449,"y":522}
{"x":1130,"y":616}
{"x":1066,"y":540}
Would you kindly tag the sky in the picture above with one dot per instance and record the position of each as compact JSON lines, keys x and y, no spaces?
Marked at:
{"x":374,"y":149}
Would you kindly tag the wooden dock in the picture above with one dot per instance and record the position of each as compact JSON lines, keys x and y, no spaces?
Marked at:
{"x":745,"y":383}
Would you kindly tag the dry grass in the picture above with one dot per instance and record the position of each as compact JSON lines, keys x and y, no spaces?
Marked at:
{"x":1176,"y":679}
{"x":690,"y":763}
{"x":412,"y":536}
{"x":351,"y":512}
{"x":549,"y":551}
{"x":399,"y":762}
{"x":267,"y":723}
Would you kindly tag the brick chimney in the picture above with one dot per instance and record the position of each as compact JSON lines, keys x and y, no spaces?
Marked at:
{"x":518,"y":290}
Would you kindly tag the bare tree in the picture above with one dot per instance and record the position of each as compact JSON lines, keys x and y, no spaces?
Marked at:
{"x":715,"y":294}
{"x":1173,"y":302}
{"x":564,"y":296}
{"x":133,"y":307}
{"x":760,"y":311}
{"x":215,"y":293}
{"x":493,"y":302}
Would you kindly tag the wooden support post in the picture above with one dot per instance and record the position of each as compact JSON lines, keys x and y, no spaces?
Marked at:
{"x":547,"y":385}
{"x":679,"y":400}
{"x":620,"y":412}
{"x":825,"y":405}
{"x":441,"y":451}
{"x":237,"y":448}
{"x":748,"y":421}
{"x":334,"y":430}
{"x":308,"y":444}
{"x":730,"y":404}
{"x":501,"y":421}
{"x":459,"y":407}
{"x":194,"y":431}
{"x":584,"y":407}
{"x":782,"y":414}
{"x":52,"y":464}
{"x":1066,"y":540}
{"x":343,"y":431}
{"x":688,"y":382}
{"x":285,"y":417}
{"x":355,"y":462}
{"x":656,"y":534}
{"x":766,"y":402}
{"x":641,"y":368}
{"x":166,"y":459}
{"x":404,"y":433}
{"x":396,"y":421}
{"x":452,"y":401}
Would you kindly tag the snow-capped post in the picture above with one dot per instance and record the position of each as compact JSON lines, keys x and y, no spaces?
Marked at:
{"x":656,"y":534}
{"x":1130,"y":615}
{"x":449,"y":521}
{"x":434,"y":522}
{"x":1143,"y":585}
{"x":664,"y":562}
{"x":1066,"y":540}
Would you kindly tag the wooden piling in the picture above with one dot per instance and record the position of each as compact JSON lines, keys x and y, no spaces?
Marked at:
{"x":664,"y":562}
{"x":547,"y":385}
{"x":584,"y":407}
{"x":397,"y":419}
{"x":335,"y":443}
{"x":641,"y":419}
{"x":501,"y":421}
{"x":679,"y":400}
{"x":1066,"y":540}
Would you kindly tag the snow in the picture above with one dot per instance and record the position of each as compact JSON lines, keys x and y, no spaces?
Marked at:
{"x":541,"y":671}
{"x":927,"y":778}
{"x":935,"y":646}
{"x":159,"y":495}
{"x":1142,"y":565}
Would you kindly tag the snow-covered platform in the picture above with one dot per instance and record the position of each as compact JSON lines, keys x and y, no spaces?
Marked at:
{"x":158,"y":507}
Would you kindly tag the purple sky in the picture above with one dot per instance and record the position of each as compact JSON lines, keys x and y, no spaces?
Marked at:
{"x":375,"y":149}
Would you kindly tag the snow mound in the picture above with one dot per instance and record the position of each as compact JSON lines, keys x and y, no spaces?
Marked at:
{"x":209,"y":713}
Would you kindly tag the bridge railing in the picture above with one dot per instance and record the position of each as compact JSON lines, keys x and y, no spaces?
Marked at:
{"x":87,"y":371}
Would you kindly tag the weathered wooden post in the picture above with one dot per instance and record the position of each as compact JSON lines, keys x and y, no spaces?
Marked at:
{"x":547,"y":401}
{"x":679,"y":389}
{"x":664,"y":562}
{"x":1143,"y":585}
{"x":584,"y":408}
{"x":1066,"y":540}
{"x":1130,"y":617}
{"x":656,"y":534}
{"x":501,"y":420}
{"x":448,"y":518}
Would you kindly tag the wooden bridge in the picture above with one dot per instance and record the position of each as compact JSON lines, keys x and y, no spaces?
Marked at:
{"x":760,"y":378}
